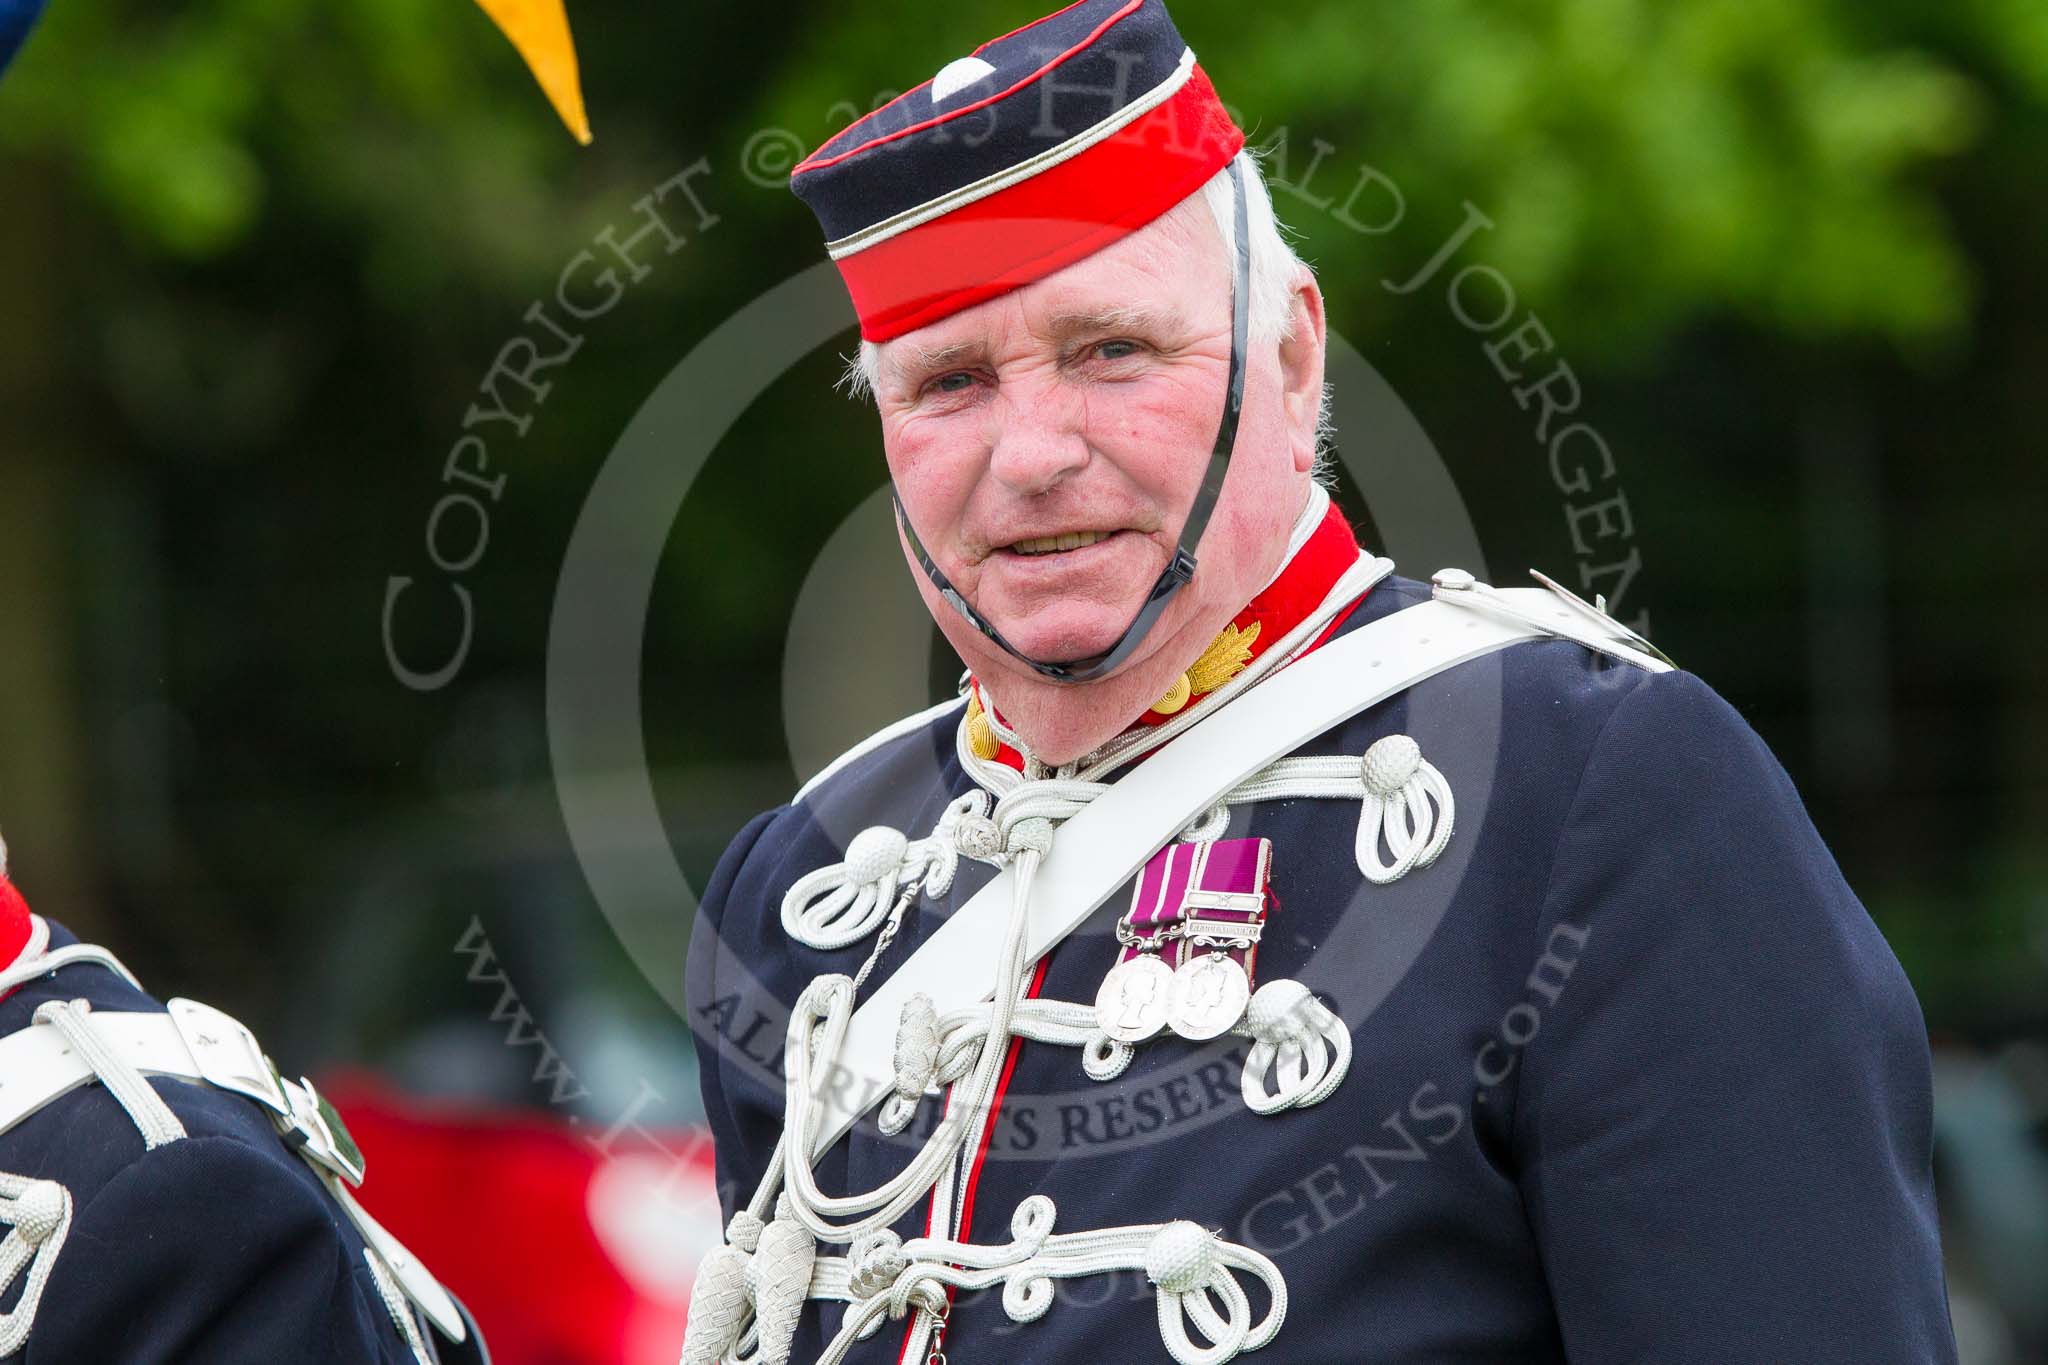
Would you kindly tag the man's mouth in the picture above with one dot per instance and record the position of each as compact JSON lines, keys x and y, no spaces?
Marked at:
{"x":1047,"y":545}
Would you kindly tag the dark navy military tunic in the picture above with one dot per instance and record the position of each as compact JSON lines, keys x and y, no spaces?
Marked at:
{"x":1635,"y":1078}
{"x":218,"y":1248}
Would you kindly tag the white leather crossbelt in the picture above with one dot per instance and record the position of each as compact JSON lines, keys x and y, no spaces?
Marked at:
{"x":1065,"y":840}
{"x":38,"y":1066}
{"x":192,"y":1042}
{"x":1101,"y":847}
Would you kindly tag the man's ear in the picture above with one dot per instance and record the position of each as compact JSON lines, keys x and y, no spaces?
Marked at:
{"x":1301,"y":367}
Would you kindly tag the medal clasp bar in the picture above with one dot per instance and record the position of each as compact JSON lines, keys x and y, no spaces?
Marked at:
{"x":1228,"y":933}
{"x":1243,"y":902}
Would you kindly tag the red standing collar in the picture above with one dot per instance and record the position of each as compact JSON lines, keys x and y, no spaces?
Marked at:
{"x":14,"y":925}
{"x":1300,"y":587}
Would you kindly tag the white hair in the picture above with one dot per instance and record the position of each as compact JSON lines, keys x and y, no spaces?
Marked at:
{"x":1274,"y":261}
{"x":1273,"y":267}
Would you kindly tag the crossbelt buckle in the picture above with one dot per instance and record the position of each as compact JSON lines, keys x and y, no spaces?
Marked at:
{"x":314,"y":1129}
{"x":228,"y":1056}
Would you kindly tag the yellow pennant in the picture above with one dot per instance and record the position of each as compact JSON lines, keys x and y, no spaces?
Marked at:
{"x":540,"y":30}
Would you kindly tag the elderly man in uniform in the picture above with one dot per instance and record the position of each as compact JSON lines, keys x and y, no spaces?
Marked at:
{"x":1266,"y":952}
{"x":168,"y":1197}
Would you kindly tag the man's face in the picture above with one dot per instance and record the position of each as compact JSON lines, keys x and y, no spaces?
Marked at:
{"x":1048,"y":444}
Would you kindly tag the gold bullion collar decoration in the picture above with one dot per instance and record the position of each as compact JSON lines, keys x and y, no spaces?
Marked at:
{"x":981,"y":735}
{"x":1223,"y":660}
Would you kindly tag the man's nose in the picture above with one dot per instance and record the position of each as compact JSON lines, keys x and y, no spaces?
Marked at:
{"x":1038,"y":437}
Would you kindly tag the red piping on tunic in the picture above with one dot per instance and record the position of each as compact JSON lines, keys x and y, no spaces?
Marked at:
{"x":988,"y":1130}
{"x":1305,"y":581}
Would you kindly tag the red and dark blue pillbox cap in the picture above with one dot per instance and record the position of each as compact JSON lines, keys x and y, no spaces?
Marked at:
{"x":1044,"y":146}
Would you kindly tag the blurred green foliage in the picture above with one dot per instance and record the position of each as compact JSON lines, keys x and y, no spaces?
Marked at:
{"x":195,"y":125}
{"x":1651,"y":162}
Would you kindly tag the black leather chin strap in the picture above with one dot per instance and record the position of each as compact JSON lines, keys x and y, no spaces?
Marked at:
{"x":1181,"y":569}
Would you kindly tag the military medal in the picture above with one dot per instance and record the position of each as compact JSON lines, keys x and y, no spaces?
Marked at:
{"x":1222,"y":913}
{"x":1134,"y":999}
{"x":1209,"y":995}
{"x":1187,"y":942}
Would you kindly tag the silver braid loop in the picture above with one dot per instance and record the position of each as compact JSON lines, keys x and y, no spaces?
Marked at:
{"x":1105,"y":1058}
{"x":1399,"y":789}
{"x":1191,"y":1268}
{"x":1200,"y":1279}
{"x":846,"y":901}
{"x":1213,"y":824}
{"x":1297,"y":1043}
{"x":942,"y":849}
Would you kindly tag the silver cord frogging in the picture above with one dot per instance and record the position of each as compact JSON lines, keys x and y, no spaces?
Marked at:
{"x":772,"y":1265}
{"x":750,"y":1292}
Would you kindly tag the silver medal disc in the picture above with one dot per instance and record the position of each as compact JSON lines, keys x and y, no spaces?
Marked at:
{"x":1209,"y":996}
{"x":1134,"y":998}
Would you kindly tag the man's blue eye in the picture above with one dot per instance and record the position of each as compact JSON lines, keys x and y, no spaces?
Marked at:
{"x":1116,"y":350}
{"x":953,"y":383}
